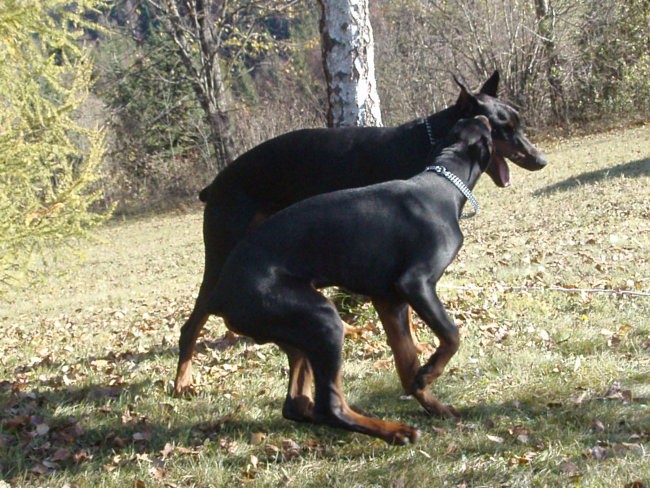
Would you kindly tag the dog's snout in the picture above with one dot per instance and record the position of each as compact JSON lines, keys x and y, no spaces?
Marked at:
{"x":540,"y":161}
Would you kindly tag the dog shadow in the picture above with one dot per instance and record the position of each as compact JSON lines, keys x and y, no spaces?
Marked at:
{"x":632,"y":169}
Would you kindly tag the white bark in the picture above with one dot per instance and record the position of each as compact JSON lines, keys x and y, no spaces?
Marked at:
{"x":348,"y":60}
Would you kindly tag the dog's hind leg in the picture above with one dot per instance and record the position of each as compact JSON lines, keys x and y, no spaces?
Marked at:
{"x":394,"y":317}
{"x":421,"y":295}
{"x":189,"y":334}
{"x":299,"y":402}
{"x":331,"y":407}
{"x":317,"y":332}
{"x":223,"y":227}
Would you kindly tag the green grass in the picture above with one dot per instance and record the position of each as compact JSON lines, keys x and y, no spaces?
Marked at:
{"x":553,"y":386}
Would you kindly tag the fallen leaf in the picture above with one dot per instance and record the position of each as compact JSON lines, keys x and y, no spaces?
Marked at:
{"x":636,"y":484}
{"x":167,"y":450}
{"x":523,"y":459}
{"x":569,"y":468}
{"x":158,"y":473}
{"x":598,"y":452}
{"x":290,"y":445}
{"x":40,"y":469}
{"x":141,"y":436}
{"x":257,"y":438}
{"x":42,"y":429}
{"x":81,"y":456}
{"x":452,"y":448}
{"x":495,"y":438}
{"x":119,"y":442}
{"x":383,"y":364}
{"x":597,"y":426}
{"x":61,"y":455}
{"x":185,"y":450}
{"x":18,"y":421}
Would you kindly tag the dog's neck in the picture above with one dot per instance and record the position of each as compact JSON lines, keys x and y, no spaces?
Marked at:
{"x":438,"y":125}
{"x":468,"y":174}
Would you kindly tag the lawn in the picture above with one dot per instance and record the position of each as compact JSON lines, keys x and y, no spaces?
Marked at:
{"x":551,"y":292}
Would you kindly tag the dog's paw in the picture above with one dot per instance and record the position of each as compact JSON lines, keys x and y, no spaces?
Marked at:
{"x":449,"y":412}
{"x":433,"y":406}
{"x":298,"y":409}
{"x":185,"y":391}
{"x":404,"y":436}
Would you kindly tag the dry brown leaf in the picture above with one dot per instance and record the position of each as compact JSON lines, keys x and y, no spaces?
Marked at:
{"x":167,"y":450}
{"x":256,"y":438}
{"x":186,"y":450}
{"x":597,"y":426}
{"x":142,"y":436}
{"x":569,"y":468}
{"x":81,"y":456}
{"x":61,"y":455}
{"x":383,"y":364}
{"x":636,"y":484}
{"x":158,"y":473}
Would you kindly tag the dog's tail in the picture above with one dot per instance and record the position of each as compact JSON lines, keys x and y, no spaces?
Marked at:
{"x":204,"y":195}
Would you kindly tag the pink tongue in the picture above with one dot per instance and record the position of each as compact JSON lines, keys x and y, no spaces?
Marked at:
{"x":503,"y":170}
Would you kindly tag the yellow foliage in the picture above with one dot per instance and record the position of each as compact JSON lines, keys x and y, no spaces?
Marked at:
{"x":48,"y":161}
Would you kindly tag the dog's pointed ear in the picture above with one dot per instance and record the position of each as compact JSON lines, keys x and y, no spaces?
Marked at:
{"x":491,"y":86}
{"x":466,"y":102}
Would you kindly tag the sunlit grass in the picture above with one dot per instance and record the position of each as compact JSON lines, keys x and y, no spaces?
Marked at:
{"x":553,"y":386}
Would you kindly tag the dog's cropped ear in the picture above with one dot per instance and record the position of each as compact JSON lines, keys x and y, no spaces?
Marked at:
{"x":466,"y":103}
{"x":491,"y":85}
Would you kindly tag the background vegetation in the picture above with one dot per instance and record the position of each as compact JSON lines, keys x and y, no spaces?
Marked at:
{"x":591,"y":73}
{"x":49,"y":157}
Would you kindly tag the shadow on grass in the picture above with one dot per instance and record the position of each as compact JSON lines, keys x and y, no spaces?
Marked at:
{"x":633,"y":169}
{"x":494,"y":440}
{"x":69,"y":446}
{"x":37,"y":440}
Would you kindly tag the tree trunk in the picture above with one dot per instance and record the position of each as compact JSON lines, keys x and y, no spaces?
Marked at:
{"x":546,"y":30}
{"x":348,"y":61}
{"x":192,"y":24}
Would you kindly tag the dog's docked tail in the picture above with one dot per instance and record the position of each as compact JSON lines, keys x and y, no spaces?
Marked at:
{"x":204,"y":195}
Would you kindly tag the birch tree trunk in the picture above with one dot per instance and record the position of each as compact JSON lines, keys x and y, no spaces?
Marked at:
{"x":348,"y":61}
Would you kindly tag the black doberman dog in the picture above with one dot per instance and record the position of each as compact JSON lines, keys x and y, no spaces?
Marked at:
{"x":391,"y":241}
{"x":304,"y":163}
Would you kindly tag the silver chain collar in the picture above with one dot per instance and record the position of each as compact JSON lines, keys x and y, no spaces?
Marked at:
{"x":458,"y":183}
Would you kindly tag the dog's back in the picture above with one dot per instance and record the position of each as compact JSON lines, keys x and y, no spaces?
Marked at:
{"x":309,"y":162}
{"x":360,"y":239}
